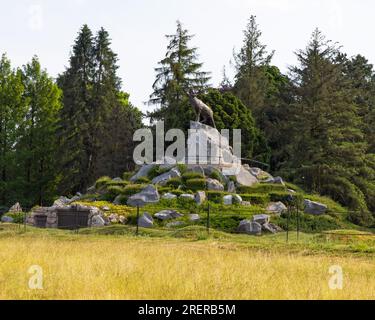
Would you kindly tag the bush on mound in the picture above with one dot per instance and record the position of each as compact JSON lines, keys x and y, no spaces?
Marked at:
{"x":191,"y":175}
{"x":196,"y":184}
{"x":174,"y":183}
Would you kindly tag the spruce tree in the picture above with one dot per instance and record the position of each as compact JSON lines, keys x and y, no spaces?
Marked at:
{"x":328,"y":148}
{"x":251,"y":62}
{"x":76,"y":143}
{"x":94,"y":115}
{"x":178,"y":73}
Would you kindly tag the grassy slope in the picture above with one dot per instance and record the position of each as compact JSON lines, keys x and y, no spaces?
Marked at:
{"x":181,"y":265}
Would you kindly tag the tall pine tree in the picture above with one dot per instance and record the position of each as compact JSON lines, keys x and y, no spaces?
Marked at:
{"x":93,"y":110}
{"x":328,"y":148}
{"x":178,"y":73}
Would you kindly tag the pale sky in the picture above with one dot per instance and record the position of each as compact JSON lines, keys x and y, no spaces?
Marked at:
{"x":47,"y":28}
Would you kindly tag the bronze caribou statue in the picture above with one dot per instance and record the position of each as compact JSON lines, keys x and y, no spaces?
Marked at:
{"x":204,"y":113}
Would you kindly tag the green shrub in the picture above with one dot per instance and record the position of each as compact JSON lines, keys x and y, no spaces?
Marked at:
{"x":191,"y":175}
{"x":217,"y":175}
{"x":132,"y":189}
{"x":142,"y":180}
{"x":174,"y":182}
{"x":259,"y":199}
{"x":164,"y":189}
{"x":102,"y":182}
{"x":17,"y":217}
{"x":128,"y":175}
{"x":182,"y":168}
{"x":177,"y":192}
{"x":262,"y":188}
{"x":155,"y":172}
{"x":216,"y":196}
{"x":294,"y":187}
{"x":333,"y":207}
{"x":112,"y":183}
{"x":187,"y":204}
{"x":196,"y":184}
{"x":308,"y":223}
{"x":114,"y":191}
{"x":279,"y":196}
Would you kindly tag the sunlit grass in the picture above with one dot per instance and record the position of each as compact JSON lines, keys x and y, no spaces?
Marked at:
{"x":125,"y":267}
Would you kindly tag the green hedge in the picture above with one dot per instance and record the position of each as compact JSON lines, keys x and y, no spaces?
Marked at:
{"x":216,"y":196}
{"x":102,"y":182}
{"x":114,"y":191}
{"x":262,"y":188}
{"x":257,"y":198}
{"x":279,"y":196}
{"x":132,"y":189}
{"x":174,"y":183}
{"x":196,"y":184}
{"x":143,"y":180}
{"x":192,"y":175}
{"x":112,"y":183}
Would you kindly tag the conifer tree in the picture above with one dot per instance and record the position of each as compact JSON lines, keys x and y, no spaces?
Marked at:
{"x":76,"y":144}
{"x":251,"y":62}
{"x":177,"y":73}
{"x":328,"y":148}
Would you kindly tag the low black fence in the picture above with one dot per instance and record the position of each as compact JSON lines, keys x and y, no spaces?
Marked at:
{"x":210,"y":218}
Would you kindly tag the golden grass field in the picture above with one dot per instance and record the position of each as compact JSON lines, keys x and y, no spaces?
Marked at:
{"x":99,"y":267}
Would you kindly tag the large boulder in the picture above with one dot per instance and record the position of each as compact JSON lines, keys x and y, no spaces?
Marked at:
{"x":228,"y":200}
{"x":231,"y":187}
{"x":194,"y":217}
{"x":62,"y":202}
{"x":147,"y":196}
{"x":315,"y":208}
{"x":259,"y":173}
{"x":187,"y":197}
{"x":167,"y":215}
{"x":276,"y":208}
{"x":261,"y":218}
{"x":169,"y":196}
{"x":272,"y":228}
{"x":97,"y":221}
{"x":146,"y":221}
{"x":200,"y":197}
{"x":249,"y":227}
{"x":237,"y":199}
{"x":164,"y":178}
{"x":277,"y":180}
{"x":143,"y":172}
{"x":197,"y":169}
{"x":214,"y":185}
{"x":6,"y":219}
{"x":15,"y":208}
{"x":245,"y":178}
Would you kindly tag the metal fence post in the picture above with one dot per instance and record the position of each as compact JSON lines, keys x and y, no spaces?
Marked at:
{"x":137,"y":230}
{"x":287,"y":228}
{"x":208,"y":218}
{"x":298,"y":222}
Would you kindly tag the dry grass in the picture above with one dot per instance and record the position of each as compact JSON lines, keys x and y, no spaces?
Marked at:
{"x":85,"y":267}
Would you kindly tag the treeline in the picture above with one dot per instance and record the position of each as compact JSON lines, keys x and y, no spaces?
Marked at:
{"x":314,"y":125}
{"x":58,"y":137}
